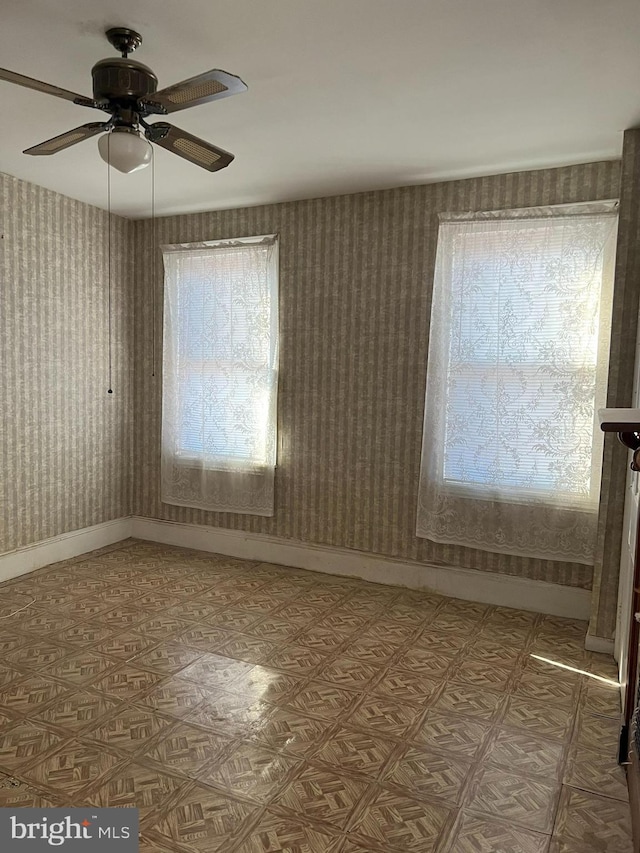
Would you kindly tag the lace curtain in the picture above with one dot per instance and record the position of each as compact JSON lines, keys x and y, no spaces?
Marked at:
{"x":518,"y":359}
{"x":220,"y":375}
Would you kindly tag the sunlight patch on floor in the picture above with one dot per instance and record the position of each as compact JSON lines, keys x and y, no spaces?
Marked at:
{"x":608,"y":681}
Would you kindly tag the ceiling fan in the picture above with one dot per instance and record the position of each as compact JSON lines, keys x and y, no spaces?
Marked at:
{"x":126,"y":89}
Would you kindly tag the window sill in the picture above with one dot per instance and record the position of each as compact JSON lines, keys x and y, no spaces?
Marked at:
{"x":521,"y":497}
{"x":226,"y":467}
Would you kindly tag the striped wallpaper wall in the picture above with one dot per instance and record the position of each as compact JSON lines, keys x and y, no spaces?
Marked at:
{"x":65,"y":445}
{"x":355,"y":279}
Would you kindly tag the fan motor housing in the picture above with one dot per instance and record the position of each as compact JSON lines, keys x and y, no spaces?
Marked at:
{"x":122,"y":80}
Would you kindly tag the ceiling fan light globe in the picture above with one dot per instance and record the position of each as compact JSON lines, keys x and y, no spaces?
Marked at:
{"x":125,"y":150}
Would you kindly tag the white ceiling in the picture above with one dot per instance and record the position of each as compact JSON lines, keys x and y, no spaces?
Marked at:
{"x":344,"y":95}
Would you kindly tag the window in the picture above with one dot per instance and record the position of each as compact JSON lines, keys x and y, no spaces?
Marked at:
{"x":517,"y":367}
{"x":220,"y":375}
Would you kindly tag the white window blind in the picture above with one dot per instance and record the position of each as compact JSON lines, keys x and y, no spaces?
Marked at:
{"x":517,"y":366}
{"x":220,"y":375}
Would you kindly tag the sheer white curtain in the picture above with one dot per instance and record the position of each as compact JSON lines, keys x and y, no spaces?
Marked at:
{"x":220,"y":375}
{"x":518,"y":358}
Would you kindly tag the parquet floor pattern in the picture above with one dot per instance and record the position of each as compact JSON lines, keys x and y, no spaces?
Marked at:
{"x":246,"y":707}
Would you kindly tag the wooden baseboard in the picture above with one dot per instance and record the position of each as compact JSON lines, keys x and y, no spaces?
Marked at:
{"x":63,"y":547}
{"x":599,"y":644}
{"x":485,"y":587}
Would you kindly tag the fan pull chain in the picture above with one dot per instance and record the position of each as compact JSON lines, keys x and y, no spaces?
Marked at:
{"x":154,"y":249}
{"x":109,"y":389}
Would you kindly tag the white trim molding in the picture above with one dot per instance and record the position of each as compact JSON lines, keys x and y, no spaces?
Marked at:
{"x":599,"y":644}
{"x":469,"y":584}
{"x":63,"y":547}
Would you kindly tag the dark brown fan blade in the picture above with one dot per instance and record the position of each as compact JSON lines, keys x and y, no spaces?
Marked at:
{"x":190,"y":147}
{"x":65,"y":140}
{"x":38,"y":85}
{"x":206,"y":87}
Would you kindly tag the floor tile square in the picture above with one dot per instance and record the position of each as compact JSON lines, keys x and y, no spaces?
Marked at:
{"x":69,"y":769}
{"x":75,"y":712}
{"x":167,"y":658}
{"x":128,"y":729}
{"x":120,"y":594}
{"x":23,"y":743}
{"x":300,"y":613}
{"x":539,"y":718}
{"x":9,"y":674}
{"x":422,"y":773}
{"x":388,"y":632}
{"x":469,"y":702}
{"x":590,"y":820}
{"x":38,"y":654}
{"x":42,"y":624}
{"x":405,"y":614}
{"x":125,"y":646}
{"x":213,"y":671}
{"x":84,"y":608}
{"x":379,"y":714}
{"x":264,"y":683}
{"x":10,"y":640}
{"x":228,"y":713}
{"x":599,"y":698}
{"x":477,"y":835}
{"x":481,"y":674}
{"x":370,"y":651}
{"x":135,"y":786}
{"x":290,"y":732}
{"x":122,"y":617}
{"x":451,"y":734}
{"x":597,"y":772}
{"x":204,"y":820}
{"x":296,"y":659}
{"x":348,"y":672}
{"x":251,"y":771}
{"x":173,"y":697}
{"x":250,"y":649}
{"x":395,"y":822}
{"x":259,"y":603}
{"x":596,"y":732}
{"x":277,"y":834}
{"x":152,"y":845}
{"x":323,"y":701}
{"x":431,"y":664}
{"x":547,"y":684}
{"x":524,"y":753}
{"x":524,"y":802}
{"x":81,"y":667}
{"x":30,"y":695}
{"x":321,"y":638}
{"x":493,"y":653}
{"x":161,"y":626}
{"x":356,"y":752}
{"x":82,"y":634}
{"x":186,"y":749}
{"x":232,"y":618}
{"x":127,"y":682}
{"x":406,"y":686}
{"x":323,"y":597}
{"x":273,"y":629}
{"x":323,"y":795}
